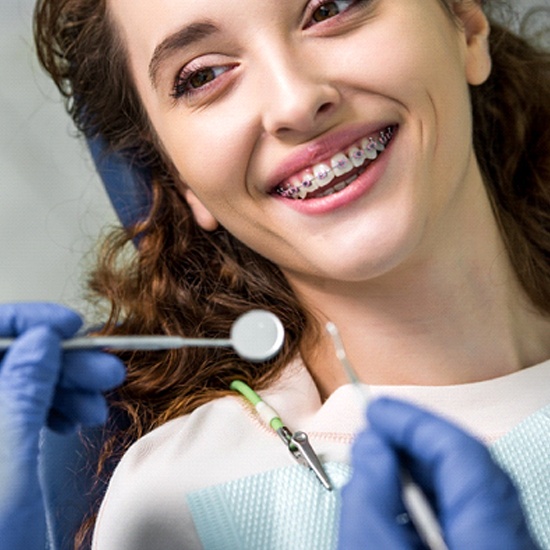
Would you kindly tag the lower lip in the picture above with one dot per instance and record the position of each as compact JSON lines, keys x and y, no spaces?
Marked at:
{"x":355,"y":190}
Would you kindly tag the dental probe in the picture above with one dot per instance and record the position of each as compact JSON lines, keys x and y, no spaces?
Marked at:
{"x":257,"y":335}
{"x":418,"y":508}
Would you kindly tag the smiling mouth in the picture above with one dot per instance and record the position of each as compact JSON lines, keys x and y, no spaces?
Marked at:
{"x":337,"y":172}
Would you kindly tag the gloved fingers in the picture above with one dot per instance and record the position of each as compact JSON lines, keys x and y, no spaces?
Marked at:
{"x":28,"y":374}
{"x":472,"y":491}
{"x":91,"y":371}
{"x":29,"y":378}
{"x":439,"y":450}
{"x":30,"y":370}
{"x":77,"y":407}
{"x":17,"y":318}
{"x":373,"y":513}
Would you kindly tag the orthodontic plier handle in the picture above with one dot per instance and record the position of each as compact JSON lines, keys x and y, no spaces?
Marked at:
{"x":297,"y":443}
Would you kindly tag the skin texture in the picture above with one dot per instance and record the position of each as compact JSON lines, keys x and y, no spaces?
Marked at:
{"x":409,"y":269}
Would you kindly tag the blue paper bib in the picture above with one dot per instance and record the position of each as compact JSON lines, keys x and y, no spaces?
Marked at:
{"x":288,"y":508}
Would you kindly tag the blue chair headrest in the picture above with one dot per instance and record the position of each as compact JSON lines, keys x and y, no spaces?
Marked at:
{"x":127,"y":186}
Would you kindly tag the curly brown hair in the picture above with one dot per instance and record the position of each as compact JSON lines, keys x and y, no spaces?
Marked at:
{"x":183,"y":280}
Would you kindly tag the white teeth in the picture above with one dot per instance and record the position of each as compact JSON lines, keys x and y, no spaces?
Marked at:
{"x":369,"y":147}
{"x":307,"y":181}
{"x":341,"y":164}
{"x":370,"y":144}
{"x":357,"y":156}
{"x":295,"y":182}
{"x":328,"y":192}
{"x":312,"y":184}
{"x":353,"y":178}
{"x":323,"y":174}
{"x":371,"y":154}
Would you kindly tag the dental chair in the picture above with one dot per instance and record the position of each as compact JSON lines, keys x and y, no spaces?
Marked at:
{"x":66,"y":468}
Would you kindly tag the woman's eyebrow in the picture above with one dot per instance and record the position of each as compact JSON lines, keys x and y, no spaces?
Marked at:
{"x":180,"y":39}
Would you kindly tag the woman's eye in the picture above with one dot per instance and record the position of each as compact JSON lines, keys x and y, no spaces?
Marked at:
{"x":200,"y":78}
{"x":189,"y":81}
{"x":328,"y":10}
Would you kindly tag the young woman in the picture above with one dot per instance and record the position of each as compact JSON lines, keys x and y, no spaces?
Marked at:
{"x":381,"y":165}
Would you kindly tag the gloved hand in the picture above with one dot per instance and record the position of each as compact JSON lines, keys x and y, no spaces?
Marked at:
{"x":40,"y":384}
{"x":476,"y":503}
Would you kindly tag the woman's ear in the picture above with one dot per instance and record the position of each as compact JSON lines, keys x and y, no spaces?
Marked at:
{"x":476,"y":29}
{"x":202,"y":215}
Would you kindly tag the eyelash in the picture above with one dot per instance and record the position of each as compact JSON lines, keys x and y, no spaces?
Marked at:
{"x":183,"y":80}
{"x":185,"y":76}
{"x":320,"y":3}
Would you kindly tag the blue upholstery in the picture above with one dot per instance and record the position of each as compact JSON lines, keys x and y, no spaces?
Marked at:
{"x":66,"y":470}
{"x":66,"y":467}
{"x":127,"y":187}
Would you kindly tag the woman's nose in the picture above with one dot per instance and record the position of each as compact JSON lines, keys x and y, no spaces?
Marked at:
{"x":298,"y":100}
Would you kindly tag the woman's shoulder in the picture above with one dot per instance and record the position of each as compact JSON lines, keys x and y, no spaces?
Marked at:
{"x":150,"y":484}
{"x":220,"y":442}
{"x":182,"y":434}
{"x":191,"y":443}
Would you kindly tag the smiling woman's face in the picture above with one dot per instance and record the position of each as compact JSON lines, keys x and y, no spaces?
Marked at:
{"x":267,"y":106}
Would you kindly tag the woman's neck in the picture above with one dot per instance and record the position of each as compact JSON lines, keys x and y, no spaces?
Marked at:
{"x":446,"y":319}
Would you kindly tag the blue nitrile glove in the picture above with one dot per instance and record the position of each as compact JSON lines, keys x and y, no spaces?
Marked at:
{"x":477,"y":506}
{"x":42,"y":385}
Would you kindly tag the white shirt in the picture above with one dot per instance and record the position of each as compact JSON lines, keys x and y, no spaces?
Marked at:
{"x":145,"y":506}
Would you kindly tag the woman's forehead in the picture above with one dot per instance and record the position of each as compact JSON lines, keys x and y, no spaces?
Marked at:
{"x":148,"y":26}
{"x":152,"y":29}
{"x":155,"y":19}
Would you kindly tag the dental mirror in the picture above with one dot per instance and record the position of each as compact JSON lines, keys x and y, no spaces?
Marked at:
{"x":256,"y":336}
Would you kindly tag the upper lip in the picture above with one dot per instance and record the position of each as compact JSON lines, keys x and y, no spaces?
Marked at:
{"x":320,"y":150}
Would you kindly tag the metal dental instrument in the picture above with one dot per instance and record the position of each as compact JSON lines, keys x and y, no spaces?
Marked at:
{"x":256,"y":336}
{"x":299,"y":446}
{"x":416,"y":503}
{"x":297,"y":443}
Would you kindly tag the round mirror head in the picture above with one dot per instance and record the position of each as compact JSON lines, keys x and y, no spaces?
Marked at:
{"x":257,"y":335}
